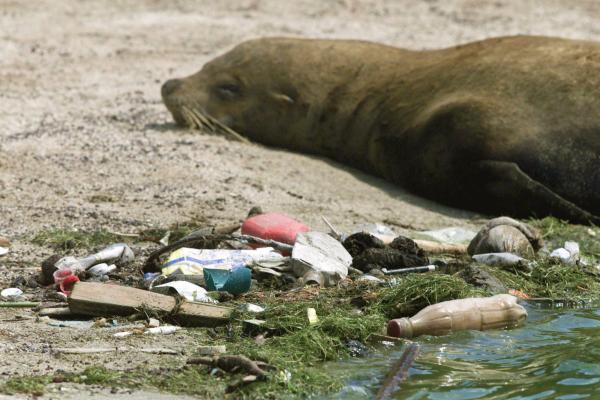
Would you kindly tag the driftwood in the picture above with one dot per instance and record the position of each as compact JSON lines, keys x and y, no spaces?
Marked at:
{"x":441,"y":248}
{"x":98,"y":299}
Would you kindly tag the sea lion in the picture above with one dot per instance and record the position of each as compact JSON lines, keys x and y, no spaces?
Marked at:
{"x":508,"y":125}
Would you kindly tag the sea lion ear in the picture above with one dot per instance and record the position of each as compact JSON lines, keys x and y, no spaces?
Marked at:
{"x":284,"y":98}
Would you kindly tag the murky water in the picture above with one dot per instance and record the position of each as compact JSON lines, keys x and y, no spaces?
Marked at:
{"x":556,"y":355}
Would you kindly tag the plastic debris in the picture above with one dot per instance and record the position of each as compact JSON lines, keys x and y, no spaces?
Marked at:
{"x":519,"y":294}
{"x":101,"y":269}
{"x":506,"y":235}
{"x":274,"y":226}
{"x":317,"y":257}
{"x":187,"y":290}
{"x":253,"y":308}
{"x":158,"y":330}
{"x":369,"y":278}
{"x":235,"y":281}
{"x":11,"y":293}
{"x":380,"y":231}
{"x":569,"y":254}
{"x":153,"y":323}
{"x":3,"y":251}
{"x":165,"y":239}
{"x":311,"y":314}
{"x":455,"y":235}
{"x":476,"y":313}
{"x":118,"y":253}
{"x":426,"y":268}
{"x":71,"y":324}
{"x":189,"y":261}
{"x":65,"y":279}
{"x":162,"y":330}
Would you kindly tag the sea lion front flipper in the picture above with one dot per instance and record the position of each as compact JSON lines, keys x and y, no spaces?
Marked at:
{"x":509,"y":187}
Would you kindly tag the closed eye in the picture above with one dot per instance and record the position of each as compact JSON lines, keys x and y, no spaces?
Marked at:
{"x":228,"y":91}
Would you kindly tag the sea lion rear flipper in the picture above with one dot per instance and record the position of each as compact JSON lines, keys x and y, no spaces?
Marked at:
{"x":510,"y":187}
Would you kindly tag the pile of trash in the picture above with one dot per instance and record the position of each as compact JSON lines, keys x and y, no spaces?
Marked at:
{"x":190,"y":281}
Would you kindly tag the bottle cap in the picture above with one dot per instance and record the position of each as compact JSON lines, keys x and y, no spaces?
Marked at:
{"x":400,"y":327}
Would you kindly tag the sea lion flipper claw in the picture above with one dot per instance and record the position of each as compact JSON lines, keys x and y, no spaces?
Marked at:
{"x":505,"y":180}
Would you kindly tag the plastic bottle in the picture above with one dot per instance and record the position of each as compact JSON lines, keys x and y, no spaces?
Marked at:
{"x":118,"y":253}
{"x":496,"y":312}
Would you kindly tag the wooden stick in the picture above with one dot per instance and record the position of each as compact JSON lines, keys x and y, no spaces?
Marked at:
{"x":267,"y":242}
{"x":398,"y":373}
{"x":18,"y":304}
{"x":441,"y":248}
{"x":96,"y":350}
{"x":55,"y":311}
{"x":129,"y":235}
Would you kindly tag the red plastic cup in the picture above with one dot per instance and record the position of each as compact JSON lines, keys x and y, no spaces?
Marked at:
{"x":65,"y":280}
{"x":274,"y":226}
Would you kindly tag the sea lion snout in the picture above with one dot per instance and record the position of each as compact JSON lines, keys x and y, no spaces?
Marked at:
{"x":169,"y":87}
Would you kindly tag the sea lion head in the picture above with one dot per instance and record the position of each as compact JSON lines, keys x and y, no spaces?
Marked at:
{"x":249,"y":90}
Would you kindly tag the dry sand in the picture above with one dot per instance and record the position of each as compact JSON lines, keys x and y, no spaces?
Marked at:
{"x":81,"y":116}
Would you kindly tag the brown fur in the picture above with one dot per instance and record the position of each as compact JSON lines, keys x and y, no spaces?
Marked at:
{"x":507,"y":125}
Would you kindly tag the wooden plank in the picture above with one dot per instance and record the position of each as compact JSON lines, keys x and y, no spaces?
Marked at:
{"x":100,"y":299}
{"x":197,"y":313}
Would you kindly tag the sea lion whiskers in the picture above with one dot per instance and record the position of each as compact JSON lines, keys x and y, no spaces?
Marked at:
{"x":214,"y":125}
{"x":187,"y":117}
{"x":195,"y":120}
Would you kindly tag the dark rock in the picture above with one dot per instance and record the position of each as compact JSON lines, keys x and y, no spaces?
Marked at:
{"x":19,"y":282}
{"x":387,"y":258}
{"x":408,"y":246}
{"x":256,"y":210}
{"x":480,"y":278}
{"x":46,"y":277}
{"x":357,"y":243}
